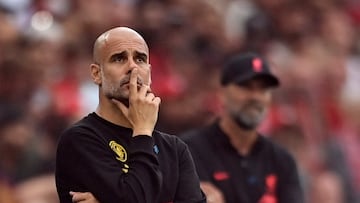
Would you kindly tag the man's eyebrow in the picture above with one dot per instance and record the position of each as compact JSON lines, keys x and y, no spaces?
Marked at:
{"x":142,"y":55}
{"x":117,"y":55}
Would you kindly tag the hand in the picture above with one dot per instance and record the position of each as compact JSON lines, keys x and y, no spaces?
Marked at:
{"x":143,"y":108}
{"x":213,"y":194}
{"x":83,"y":197}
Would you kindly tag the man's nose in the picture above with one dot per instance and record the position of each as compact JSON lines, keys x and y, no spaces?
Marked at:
{"x":132,"y":65}
{"x":257,"y":92}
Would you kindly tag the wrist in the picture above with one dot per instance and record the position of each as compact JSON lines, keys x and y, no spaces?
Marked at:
{"x":137,"y":132}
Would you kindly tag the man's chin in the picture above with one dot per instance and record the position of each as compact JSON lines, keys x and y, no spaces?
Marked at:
{"x":124,"y":101}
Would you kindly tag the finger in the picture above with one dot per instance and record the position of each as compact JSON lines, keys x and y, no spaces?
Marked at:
{"x":79,"y":196}
{"x":150,"y":97}
{"x":157,"y":100}
{"x":88,"y":201}
{"x":133,"y":82}
{"x":144,"y":90}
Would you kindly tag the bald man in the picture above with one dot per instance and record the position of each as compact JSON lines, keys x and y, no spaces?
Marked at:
{"x":114,"y":154}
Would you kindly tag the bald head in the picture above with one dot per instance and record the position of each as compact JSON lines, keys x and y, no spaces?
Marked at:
{"x":122,"y":35}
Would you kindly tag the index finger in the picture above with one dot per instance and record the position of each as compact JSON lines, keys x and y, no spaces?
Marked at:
{"x":81,"y":196}
{"x":133,"y":82}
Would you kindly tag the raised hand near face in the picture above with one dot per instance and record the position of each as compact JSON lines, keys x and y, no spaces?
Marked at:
{"x":143,"y":109}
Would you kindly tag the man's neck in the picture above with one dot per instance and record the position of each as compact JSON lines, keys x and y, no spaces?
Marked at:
{"x":110,"y":112}
{"x":242,"y":140}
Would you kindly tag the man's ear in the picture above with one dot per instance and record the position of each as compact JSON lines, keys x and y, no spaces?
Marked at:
{"x":150,"y":79}
{"x":96,"y":73}
{"x":222,"y":96}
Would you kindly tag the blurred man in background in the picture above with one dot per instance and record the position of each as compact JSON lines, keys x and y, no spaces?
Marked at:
{"x":234,"y":161}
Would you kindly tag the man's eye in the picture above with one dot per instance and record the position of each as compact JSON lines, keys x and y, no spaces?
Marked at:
{"x":140,"y":60}
{"x":118,"y":59}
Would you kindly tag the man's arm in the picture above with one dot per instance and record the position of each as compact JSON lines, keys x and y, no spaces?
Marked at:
{"x":188,"y":189}
{"x":290,"y":188}
{"x":84,"y":164}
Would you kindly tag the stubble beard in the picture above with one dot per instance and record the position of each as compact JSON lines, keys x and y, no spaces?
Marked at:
{"x":247,"y":120}
{"x":115,"y":92}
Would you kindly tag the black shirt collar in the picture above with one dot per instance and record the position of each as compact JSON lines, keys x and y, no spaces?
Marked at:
{"x":221,"y":140}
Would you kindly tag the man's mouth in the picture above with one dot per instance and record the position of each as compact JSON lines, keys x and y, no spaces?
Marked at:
{"x":126,"y":82}
{"x":254,"y":106}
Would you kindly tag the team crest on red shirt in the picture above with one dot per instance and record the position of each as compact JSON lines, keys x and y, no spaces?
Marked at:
{"x":270,"y":195}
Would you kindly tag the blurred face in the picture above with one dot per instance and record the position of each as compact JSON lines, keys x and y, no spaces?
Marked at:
{"x":247,"y":103}
{"x":117,"y":53}
{"x":16,"y":136}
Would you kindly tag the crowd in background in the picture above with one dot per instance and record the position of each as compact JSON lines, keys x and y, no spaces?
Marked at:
{"x":313,"y":46}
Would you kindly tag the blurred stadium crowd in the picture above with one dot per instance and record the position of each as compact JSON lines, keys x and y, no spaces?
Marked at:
{"x":313,"y":45}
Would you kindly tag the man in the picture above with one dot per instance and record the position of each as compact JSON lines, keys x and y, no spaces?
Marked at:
{"x":114,"y":154}
{"x":234,"y":162}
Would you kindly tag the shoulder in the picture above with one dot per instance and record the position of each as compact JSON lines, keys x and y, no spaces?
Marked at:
{"x":269,"y":143}
{"x":278,"y":151}
{"x":172,"y":145}
{"x":79,"y":132}
{"x":168,"y":139}
{"x":194,"y":135}
{"x":80,"y":126}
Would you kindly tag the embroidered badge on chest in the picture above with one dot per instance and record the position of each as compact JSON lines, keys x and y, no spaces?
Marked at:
{"x":119,"y":151}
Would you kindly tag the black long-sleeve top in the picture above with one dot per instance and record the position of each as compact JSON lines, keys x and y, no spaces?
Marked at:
{"x":268,"y":174}
{"x":97,"y":156}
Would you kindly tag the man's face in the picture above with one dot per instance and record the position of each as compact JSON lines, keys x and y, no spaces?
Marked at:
{"x":119,"y":56}
{"x":247,"y":103}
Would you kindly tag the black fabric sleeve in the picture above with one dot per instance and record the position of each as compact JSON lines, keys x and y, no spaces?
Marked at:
{"x":188,"y":189}
{"x":290,"y":189}
{"x":197,"y":150}
{"x":82,"y":156}
{"x":200,"y":165}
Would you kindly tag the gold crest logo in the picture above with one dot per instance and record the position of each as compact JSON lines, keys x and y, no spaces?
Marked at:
{"x":119,"y":151}
{"x":126,"y":168}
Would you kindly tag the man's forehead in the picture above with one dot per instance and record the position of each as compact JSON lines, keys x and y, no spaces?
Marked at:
{"x":125,"y":48}
{"x":123,"y":43}
{"x":118,"y":40}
